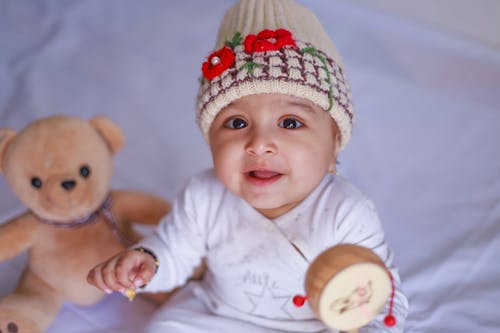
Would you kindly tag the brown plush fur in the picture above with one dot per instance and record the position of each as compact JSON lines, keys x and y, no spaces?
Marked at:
{"x":54,"y":150}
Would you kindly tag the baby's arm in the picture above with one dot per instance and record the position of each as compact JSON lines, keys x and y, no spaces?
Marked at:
{"x":179,"y":240}
{"x":361,"y":226}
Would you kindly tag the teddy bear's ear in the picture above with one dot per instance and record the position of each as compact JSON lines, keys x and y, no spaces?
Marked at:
{"x":109,"y":131}
{"x":6,"y":135}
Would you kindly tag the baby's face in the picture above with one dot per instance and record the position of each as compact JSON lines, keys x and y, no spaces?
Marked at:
{"x":273,"y":149}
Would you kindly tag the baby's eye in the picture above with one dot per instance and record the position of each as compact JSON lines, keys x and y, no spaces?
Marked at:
{"x":236,"y":123}
{"x":290,"y":123}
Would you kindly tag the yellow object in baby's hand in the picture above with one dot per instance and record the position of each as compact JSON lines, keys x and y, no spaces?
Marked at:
{"x":130,"y":293}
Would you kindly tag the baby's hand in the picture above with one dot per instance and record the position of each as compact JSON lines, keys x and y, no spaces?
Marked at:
{"x":127,"y":270}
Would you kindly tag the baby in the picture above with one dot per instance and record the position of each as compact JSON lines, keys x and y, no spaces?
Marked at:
{"x":275,"y":108}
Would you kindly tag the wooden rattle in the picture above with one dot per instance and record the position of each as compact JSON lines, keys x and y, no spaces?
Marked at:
{"x":347,"y":286}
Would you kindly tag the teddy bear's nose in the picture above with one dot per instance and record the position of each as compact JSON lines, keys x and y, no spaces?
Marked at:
{"x":68,"y":184}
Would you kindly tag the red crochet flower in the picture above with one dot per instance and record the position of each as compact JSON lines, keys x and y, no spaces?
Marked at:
{"x":217,"y":63}
{"x":269,"y":40}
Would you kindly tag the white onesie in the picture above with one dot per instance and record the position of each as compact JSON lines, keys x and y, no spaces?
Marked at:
{"x":256,"y":265}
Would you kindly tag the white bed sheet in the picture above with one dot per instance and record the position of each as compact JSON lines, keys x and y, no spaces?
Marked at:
{"x":425,"y":145}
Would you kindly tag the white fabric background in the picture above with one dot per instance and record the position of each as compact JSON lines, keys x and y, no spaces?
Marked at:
{"x":425,"y":145}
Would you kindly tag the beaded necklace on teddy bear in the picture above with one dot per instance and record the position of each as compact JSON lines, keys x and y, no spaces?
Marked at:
{"x":104,"y":210}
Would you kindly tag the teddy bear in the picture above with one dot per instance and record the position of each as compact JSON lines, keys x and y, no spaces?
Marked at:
{"x":60,"y":167}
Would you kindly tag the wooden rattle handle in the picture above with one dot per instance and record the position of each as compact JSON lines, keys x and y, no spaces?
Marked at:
{"x":347,"y":286}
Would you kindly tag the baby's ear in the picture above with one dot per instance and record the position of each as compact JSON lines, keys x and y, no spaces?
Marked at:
{"x":6,"y":136}
{"x":111,"y":133}
{"x":336,"y":138}
{"x":337,"y":143}
{"x":336,"y":147}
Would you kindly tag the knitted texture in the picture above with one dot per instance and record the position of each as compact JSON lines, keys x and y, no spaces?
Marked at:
{"x":274,"y":46}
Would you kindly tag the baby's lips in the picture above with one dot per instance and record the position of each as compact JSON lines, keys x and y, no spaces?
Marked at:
{"x":263,"y":174}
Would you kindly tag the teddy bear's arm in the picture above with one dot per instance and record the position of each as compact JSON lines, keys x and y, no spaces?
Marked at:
{"x":16,"y":236}
{"x":139,"y":207}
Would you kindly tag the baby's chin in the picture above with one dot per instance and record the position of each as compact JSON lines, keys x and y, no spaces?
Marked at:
{"x":273,"y":211}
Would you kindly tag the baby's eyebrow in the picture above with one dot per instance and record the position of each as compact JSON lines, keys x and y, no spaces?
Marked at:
{"x":302,"y":105}
{"x":232,"y":105}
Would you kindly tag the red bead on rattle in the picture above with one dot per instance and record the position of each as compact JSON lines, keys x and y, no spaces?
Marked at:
{"x":299,"y":300}
{"x":389,"y":321}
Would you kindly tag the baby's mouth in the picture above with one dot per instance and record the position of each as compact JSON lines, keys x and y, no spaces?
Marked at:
{"x":263,"y":174}
{"x":263,"y":177}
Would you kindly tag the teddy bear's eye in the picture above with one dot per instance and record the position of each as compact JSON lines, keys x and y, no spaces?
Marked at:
{"x":85,"y":171}
{"x":36,"y":182}
{"x":12,"y":328}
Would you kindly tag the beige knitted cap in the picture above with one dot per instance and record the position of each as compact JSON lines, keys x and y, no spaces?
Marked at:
{"x":274,"y":46}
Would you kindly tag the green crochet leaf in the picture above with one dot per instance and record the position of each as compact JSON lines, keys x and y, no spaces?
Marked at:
{"x":250,"y":66}
{"x":237,"y":38}
{"x":314,"y":52}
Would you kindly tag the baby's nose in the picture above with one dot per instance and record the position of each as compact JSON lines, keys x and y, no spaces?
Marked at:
{"x":261,"y":141}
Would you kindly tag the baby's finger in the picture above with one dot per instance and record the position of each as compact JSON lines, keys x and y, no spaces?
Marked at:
{"x":145,"y":274}
{"x":126,"y":266}
{"x":109,"y":277}
{"x":95,"y":278}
